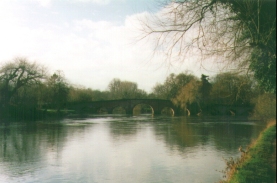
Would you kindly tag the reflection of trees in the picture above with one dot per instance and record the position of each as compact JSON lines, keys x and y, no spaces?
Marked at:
{"x":241,"y":135}
{"x":23,"y":144}
{"x":124,"y":129}
{"x":29,"y":144}
{"x":177,"y":135}
{"x":192,"y":132}
{"x":188,"y":132}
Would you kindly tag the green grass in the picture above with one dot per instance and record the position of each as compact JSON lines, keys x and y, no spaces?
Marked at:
{"x":255,"y":166}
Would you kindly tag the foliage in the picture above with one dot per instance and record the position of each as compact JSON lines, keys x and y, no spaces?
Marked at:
{"x":204,"y":92}
{"x":265,"y":106}
{"x":16,"y":75}
{"x":79,"y":94}
{"x":100,"y":95}
{"x":232,"y":89}
{"x":172,"y":85}
{"x":27,"y":96}
{"x":58,"y":90}
{"x":264,"y":67}
{"x":159,"y":91}
{"x":125,"y":90}
{"x":188,"y":95}
{"x":194,"y":95}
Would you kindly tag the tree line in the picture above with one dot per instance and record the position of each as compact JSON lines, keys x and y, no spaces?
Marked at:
{"x":222,"y":94}
{"x":25,"y":87}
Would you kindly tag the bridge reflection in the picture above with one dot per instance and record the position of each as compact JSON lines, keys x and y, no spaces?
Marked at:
{"x":127,"y":106}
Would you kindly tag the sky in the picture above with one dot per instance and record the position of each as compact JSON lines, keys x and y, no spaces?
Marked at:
{"x":91,"y":41}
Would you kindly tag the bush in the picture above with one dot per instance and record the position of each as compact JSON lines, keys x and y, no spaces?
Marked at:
{"x":265,"y":107}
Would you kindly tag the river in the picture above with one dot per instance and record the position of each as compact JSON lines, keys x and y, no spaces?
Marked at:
{"x":122,"y":149}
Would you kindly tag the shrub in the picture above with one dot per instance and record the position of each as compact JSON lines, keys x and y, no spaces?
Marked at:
{"x":265,"y":107}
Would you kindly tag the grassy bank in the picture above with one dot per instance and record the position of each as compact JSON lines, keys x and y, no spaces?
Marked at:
{"x":257,"y":163}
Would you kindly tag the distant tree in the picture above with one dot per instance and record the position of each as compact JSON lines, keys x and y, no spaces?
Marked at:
{"x":79,"y":94}
{"x":232,"y":89}
{"x":41,"y":92}
{"x":124,"y":90}
{"x":114,"y":88}
{"x":172,"y":85}
{"x":160,"y":91}
{"x":204,"y":92}
{"x":17,"y":74}
{"x":152,"y":96}
{"x":29,"y":96}
{"x":128,"y":89}
{"x":100,"y":95}
{"x":189,"y":95}
{"x":141,"y":94}
{"x":58,"y":90}
{"x":82,"y":94}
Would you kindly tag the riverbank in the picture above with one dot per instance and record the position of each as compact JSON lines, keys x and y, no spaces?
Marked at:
{"x":258,"y":162}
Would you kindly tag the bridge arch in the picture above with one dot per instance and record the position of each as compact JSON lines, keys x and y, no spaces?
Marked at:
{"x":102,"y":110}
{"x":143,"y":108}
{"x":119,"y":110}
{"x":168,"y":111}
{"x":156,"y":105}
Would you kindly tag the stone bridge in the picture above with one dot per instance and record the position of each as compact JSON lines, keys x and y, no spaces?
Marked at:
{"x":157,"y":105}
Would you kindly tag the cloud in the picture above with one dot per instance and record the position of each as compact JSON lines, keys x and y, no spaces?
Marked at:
{"x":43,"y":3}
{"x":90,"y":53}
{"x":47,"y":3}
{"x":101,"y":2}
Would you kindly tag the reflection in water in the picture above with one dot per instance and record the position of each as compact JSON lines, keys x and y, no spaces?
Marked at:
{"x":121,"y":149}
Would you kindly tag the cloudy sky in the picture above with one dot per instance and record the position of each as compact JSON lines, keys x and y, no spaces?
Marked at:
{"x":91,"y":41}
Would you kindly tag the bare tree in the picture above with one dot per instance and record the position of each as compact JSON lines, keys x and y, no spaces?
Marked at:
{"x":123,"y":89}
{"x":17,"y":74}
{"x":230,"y":32}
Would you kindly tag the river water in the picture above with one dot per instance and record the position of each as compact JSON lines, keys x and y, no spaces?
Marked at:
{"x":122,"y":149}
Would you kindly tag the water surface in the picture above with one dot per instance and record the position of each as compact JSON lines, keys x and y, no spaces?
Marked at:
{"x":122,"y":149}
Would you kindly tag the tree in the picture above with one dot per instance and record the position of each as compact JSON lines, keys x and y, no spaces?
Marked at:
{"x":188,"y":96}
{"x":17,"y":74}
{"x":125,"y":90}
{"x":100,"y":95}
{"x":28,"y":96}
{"x":232,"y":89}
{"x":172,"y":85}
{"x":58,"y":90}
{"x":113,"y":88}
{"x":265,"y":107}
{"x":159,"y":91}
{"x":204,"y":92}
{"x":240,"y":32}
{"x":79,"y":94}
